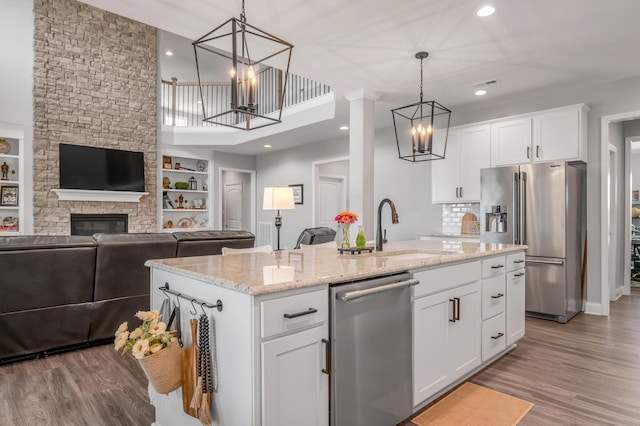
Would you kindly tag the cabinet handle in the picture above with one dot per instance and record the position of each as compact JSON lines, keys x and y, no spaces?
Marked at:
{"x":457,"y":192}
{"x":497,"y":336}
{"x":497,"y":296}
{"x":537,"y":151}
{"x":519,"y":274}
{"x":528,"y":152}
{"x":519,"y":261}
{"x":457,"y":299}
{"x":453,"y":315}
{"x":327,"y":353}
{"x":300,"y":314}
{"x":497,"y":266}
{"x":461,"y":192}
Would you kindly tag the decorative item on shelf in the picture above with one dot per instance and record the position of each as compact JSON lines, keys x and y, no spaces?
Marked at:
{"x":180,"y":202}
{"x":185,"y":222}
{"x":177,"y":166}
{"x":169,"y":224}
{"x":180,"y":167}
{"x":157,"y":350}
{"x":297,"y":193}
{"x":420,"y":120}
{"x":181,"y":185}
{"x":197,"y":203}
{"x":201,"y":166}
{"x":204,"y":186}
{"x":9,"y":196}
{"x":193,"y":184}
{"x":360,"y":240}
{"x":5,"y":171}
{"x":166,"y":162}
{"x":9,"y":223}
{"x":166,"y":183}
{"x":278,"y":198}
{"x":5,"y":148}
{"x":345,"y":219}
{"x":166,"y":201}
{"x":252,"y":54}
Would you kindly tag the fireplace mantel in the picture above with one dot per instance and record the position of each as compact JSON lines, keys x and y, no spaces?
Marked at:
{"x":91,"y":195}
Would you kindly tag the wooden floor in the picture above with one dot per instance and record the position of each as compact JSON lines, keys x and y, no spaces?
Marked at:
{"x":586,"y":372}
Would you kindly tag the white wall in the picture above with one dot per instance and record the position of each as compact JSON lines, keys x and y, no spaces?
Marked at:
{"x":605,"y":99}
{"x":16,"y":82}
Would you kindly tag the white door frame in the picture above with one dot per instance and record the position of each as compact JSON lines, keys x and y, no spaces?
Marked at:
{"x":252,"y":197}
{"x":612,"y":220}
{"x":604,"y":226}
{"x":314,"y":166}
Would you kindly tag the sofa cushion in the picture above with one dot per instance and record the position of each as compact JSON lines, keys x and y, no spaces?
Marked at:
{"x":43,"y":271}
{"x":120,"y":270}
{"x":202,"y":243}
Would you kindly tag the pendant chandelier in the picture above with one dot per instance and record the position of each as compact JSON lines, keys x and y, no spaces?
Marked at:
{"x":422,"y":129}
{"x":256,"y":62}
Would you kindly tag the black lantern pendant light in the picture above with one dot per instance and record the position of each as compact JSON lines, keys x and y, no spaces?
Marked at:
{"x":422,"y":129}
{"x":258,"y":65}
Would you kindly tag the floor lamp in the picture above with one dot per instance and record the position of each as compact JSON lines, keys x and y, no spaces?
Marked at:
{"x":278,"y":198}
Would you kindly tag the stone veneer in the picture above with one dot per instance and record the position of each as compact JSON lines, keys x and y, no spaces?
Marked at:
{"x":94,"y":84}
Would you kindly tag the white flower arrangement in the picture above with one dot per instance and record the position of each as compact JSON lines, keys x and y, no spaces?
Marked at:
{"x":150,"y":337}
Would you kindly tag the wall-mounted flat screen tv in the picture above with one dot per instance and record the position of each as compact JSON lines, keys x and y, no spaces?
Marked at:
{"x":89,"y":167}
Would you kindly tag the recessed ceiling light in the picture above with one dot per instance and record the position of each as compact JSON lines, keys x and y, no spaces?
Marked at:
{"x":168,"y":53}
{"x":343,"y":127}
{"x":480,"y":92}
{"x":486,"y":11}
{"x":267,"y":145}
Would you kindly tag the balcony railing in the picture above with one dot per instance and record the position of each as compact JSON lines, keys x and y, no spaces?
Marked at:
{"x":181,"y":104}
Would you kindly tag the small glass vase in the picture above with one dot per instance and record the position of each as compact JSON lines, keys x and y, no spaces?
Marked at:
{"x":345,"y":236}
{"x":360,"y":240}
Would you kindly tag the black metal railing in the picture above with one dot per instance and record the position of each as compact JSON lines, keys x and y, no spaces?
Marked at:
{"x":181,"y":103}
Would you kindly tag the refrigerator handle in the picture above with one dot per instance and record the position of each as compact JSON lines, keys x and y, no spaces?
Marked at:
{"x":523,"y":208}
{"x":516,"y":208}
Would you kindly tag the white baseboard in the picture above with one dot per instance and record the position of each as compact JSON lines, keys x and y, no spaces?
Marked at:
{"x":593,"y":308}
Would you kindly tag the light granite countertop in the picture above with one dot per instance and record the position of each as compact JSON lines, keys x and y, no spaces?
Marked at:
{"x":444,"y":235}
{"x":261,"y":273}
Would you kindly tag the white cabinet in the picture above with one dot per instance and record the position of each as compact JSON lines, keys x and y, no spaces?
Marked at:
{"x":558,"y":134}
{"x":294,"y":389}
{"x":184,"y":194}
{"x":511,"y":142}
{"x":493,"y":307}
{"x":11,"y":180}
{"x":295,"y":381}
{"x":515,"y":305}
{"x":446,"y":329}
{"x":457,"y":177}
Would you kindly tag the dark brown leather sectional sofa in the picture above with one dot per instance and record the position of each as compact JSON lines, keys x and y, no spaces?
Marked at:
{"x":63,"y":292}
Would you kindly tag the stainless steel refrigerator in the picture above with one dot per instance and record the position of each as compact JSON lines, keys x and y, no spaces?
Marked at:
{"x":542,"y":206}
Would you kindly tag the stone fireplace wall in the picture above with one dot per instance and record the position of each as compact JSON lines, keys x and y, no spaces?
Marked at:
{"x":94,"y":84}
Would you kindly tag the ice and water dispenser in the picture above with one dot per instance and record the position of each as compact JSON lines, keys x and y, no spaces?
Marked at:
{"x":496,"y":219}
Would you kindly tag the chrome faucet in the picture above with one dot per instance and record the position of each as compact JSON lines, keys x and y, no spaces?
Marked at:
{"x":394,"y":219}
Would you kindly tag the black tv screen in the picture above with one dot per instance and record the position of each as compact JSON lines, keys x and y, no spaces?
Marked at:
{"x":88,"y":167}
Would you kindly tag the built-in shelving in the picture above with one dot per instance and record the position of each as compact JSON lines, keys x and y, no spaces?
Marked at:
{"x":11,"y":179}
{"x":196,"y":211}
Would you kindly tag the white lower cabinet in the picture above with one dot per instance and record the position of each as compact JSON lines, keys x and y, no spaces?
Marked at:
{"x":294,"y":389}
{"x":515,"y":305}
{"x":446,"y":338}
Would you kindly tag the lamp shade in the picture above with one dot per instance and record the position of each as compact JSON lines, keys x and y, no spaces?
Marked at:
{"x":278,"y":198}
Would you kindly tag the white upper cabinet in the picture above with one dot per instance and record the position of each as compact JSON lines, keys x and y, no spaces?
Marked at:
{"x":456,"y":179}
{"x":560,"y":135}
{"x":511,"y":142}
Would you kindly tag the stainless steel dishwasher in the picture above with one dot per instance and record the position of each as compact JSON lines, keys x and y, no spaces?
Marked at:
{"x":371,"y":351}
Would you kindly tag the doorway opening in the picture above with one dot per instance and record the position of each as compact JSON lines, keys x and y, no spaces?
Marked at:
{"x":330,"y":191}
{"x":237,"y":195}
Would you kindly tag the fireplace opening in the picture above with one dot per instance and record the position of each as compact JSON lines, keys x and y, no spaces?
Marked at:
{"x":89,"y":224}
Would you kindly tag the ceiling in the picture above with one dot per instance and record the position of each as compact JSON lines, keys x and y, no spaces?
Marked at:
{"x":527,"y":46}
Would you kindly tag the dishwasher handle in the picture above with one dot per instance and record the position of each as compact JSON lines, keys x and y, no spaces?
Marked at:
{"x":351,"y":295}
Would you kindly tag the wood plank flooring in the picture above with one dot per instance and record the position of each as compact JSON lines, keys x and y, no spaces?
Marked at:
{"x":586,"y":372}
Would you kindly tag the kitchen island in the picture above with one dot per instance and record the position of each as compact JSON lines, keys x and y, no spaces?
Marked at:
{"x":272,"y":341}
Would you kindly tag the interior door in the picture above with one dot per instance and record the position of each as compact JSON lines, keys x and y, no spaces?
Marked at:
{"x":330,"y":199}
{"x":233,"y":195}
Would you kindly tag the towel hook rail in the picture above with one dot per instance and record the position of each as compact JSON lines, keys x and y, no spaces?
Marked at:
{"x":218,"y":305}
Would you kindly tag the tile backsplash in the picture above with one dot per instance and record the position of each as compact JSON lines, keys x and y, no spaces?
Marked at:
{"x":452,"y":215}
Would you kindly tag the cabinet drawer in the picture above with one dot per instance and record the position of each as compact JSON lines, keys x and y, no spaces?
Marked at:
{"x":515,"y":261}
{"x":435,"y":280}
{"x":493,"y":337}
{"x":493,"y":266}
{"x":293,"y":312}
{"x":493,"y":297}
